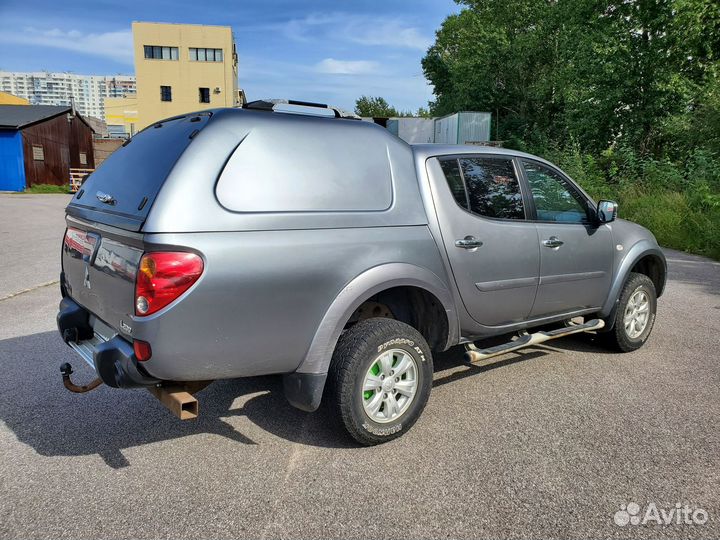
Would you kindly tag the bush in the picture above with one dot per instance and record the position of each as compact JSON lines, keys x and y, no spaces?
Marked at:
{"x":678,"y":201}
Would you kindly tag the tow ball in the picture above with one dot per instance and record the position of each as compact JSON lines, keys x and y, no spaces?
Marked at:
{"x":66,"y":370}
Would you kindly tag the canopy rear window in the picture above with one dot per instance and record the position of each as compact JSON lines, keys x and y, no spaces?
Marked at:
{"x":121,"y":191}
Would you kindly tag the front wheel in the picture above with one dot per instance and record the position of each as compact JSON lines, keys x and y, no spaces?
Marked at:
{"x":635,"y":315}
{"x":380,"y":379}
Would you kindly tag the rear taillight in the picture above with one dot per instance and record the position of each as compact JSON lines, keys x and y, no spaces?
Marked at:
{"x":79,"y":242}
{"x":162,"y":277}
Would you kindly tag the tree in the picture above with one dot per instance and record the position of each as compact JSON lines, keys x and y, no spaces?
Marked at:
{"x":374,"y":107}
{"x":598,"y":74}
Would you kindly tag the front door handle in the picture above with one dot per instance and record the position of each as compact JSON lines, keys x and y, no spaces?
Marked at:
{"x":469,"y":242}
{"x":553,"y":242}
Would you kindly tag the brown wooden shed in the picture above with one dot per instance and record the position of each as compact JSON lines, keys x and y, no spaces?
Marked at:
{"x":50,"y":141}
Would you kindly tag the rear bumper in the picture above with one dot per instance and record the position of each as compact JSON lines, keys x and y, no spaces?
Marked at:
{"x":112,"y":357}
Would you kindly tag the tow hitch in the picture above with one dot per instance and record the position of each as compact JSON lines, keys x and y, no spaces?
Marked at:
{"x":66,"y":370}
{"x":177,"y":397}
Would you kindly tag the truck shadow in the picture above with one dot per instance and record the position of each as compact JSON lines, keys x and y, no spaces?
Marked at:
{"x":54,"y":422}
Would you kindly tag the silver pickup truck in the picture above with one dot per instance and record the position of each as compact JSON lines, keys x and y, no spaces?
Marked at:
{"x":253,"y":241}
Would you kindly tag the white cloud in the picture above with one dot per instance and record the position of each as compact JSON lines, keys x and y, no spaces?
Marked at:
{"x":361,"y":29}
{"x":391,"y":34}
{"x":117,"y":46}
{"x":346,"y":67}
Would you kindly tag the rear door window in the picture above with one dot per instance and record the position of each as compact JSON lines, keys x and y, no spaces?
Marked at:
{"x":493,"y":189}
{"x":451,"y":168}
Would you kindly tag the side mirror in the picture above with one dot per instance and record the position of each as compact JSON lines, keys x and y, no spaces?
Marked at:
{"x":607,"y":211}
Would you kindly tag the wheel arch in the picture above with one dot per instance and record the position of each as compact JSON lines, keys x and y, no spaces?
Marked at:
{"x":372,"y":282}
{"x":644,"y":258}
{"x":303,"y":388}
{"x":654,"y":267}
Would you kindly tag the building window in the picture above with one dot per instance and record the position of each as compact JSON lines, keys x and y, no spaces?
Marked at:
{"x":166,"y":93}
{"x":38,"y":152}
{"x":157,"y":52}
{"x":206,"y":55}
{"x":204,"y":95}
{"x":83,"y":158}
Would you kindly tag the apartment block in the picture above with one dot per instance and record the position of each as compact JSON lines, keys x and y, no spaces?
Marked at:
{"x":47,"y":88}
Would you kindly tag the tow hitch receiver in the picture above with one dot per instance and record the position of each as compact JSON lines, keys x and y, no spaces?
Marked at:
{"x":179,"y":402}
{"x":178,"y":397}
{"x":66,"y":371}
{"x":474,"y":354}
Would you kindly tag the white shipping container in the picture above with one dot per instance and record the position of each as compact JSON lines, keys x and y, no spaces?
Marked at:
{"x":463,"y":128}
{"x":413,"y":130}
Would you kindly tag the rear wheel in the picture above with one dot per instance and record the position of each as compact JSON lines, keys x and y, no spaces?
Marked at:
{"x":380,"y":379}
{"x":635,"y":315}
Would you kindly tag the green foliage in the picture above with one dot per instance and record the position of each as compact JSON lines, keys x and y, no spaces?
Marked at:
{"x":374,"y":107}
{"x":47,"y":188}
{"x":377,"y":107}
{"x":676,"y":202}
{"x":622,"y":94}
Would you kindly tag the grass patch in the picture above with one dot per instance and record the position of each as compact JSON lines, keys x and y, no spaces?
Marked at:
{"x":674,"y":220}
{"x":47,"y":188}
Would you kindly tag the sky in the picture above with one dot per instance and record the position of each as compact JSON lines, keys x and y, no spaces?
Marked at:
{"x":324,"y":51}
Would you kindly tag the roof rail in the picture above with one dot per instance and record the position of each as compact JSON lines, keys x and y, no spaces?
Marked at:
{"x":270,"y":104}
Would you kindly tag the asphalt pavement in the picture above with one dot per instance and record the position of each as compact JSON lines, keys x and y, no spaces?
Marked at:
{"x":551,"y":442}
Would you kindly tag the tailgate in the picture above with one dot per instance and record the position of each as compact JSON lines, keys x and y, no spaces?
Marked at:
{"x":99,"y":266}
{"x":122,"y":190}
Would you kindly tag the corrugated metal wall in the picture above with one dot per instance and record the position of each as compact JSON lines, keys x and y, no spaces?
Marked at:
{"x":446,"y":129}
{"x":416,"y":130}
{"x":12,"y":170}
{"x":462,"y":128}
{"x":474,"y":127}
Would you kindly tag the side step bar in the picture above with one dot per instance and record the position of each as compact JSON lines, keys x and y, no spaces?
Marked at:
{"x":473,"y":354}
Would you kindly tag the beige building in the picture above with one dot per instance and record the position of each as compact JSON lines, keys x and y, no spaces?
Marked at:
{"x":179,"y":68}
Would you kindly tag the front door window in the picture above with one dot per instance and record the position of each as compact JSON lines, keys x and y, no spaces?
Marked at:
{"x":555,"y":199}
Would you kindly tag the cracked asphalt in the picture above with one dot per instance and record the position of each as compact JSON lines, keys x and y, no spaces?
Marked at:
{"x":548,"y":442}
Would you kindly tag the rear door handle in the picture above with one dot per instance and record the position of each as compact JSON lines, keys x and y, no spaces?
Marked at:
{"x":469,"y":242}
{"x":553,"y":242}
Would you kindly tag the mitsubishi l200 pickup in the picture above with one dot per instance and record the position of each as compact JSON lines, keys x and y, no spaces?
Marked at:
{"x":252,"y":241}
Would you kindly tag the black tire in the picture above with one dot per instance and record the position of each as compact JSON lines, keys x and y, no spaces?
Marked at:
{"x":356,"y":352}
{"x":618,"y":338}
